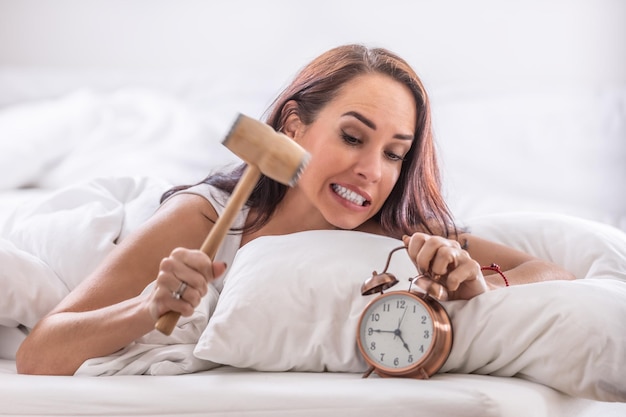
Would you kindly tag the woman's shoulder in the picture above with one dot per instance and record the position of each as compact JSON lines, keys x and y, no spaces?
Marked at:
{"x":209,"y":192}
{"x":186,"y":204}
{"x":205,"y":193}
{"x":209,"y":199}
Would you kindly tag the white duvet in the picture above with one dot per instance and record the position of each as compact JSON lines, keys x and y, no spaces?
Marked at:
{"x":43,"y":257}
{"x":567,"y":335}
{"x":84,"y":135}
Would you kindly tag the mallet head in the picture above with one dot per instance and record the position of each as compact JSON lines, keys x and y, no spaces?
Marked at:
{"x":275,"y":154}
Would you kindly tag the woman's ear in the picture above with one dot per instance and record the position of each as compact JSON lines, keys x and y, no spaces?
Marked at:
{"x":292,"y":123}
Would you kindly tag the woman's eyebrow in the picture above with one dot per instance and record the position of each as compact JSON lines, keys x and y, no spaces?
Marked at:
{"x":367,"y":122}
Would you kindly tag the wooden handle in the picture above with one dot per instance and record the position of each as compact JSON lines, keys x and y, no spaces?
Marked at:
{"x":166,"y":323}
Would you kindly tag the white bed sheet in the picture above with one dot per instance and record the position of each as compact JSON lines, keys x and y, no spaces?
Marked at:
{"x":229,"y":391}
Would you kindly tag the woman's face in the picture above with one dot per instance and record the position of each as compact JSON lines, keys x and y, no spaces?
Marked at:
{"x":357,"y":143}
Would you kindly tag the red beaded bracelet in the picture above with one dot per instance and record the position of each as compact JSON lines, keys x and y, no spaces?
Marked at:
{"x":496,"y":267}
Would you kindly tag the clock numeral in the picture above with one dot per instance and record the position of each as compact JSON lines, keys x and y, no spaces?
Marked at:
{"x":382,"y":357}
{"x":401,"y":304}
{"x":373,"y":346}
{"x":421,"y":349}
{"x":410,"y":360}
{"x":396,"y":361}
{"x":386,"y":307}
{"x":375,"y":317}
{"x":370,"y":331}
{"x":426,"y":334}
{"x":424,"y":318}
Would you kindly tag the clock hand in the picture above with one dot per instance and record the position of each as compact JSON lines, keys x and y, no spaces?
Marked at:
{"x":383,"y":331}
{"x":402,"y":318}
{"x":398,"y":333}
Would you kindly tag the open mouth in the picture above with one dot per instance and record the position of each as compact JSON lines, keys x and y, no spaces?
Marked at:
{"x":350,"y":195}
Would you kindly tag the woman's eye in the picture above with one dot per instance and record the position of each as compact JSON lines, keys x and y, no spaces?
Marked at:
{"x":392,"y":156}
{"x":350,"y":140}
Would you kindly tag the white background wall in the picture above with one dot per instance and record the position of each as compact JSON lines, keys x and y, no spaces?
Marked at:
{"x":482,"y":42}
{"x":528,"y":96}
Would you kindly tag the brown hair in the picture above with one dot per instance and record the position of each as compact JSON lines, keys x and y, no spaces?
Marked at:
{"x":416,"y":202}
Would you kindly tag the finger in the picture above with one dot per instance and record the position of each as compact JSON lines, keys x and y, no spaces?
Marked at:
{"x":460,"y":275}
{"x":441,"y":254}
{"x":167,"y":279}
{"x":171,"y":287}
{"x":201,"y":262}
{"x":414,"y":244}
{"x":170,"y":295}
{"x":446,"y":259}
{"x":466,"y":281}
{"x":219,"y":268}
{"x":189,"y":266}
{"x":195,"y":260}
{"x":180,"y":291}
{"x":427,"y":254}
{"x":189,"y":294}
{"x":162,"y":302}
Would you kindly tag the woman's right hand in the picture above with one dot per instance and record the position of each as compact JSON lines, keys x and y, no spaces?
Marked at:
{"x":189,"y":266}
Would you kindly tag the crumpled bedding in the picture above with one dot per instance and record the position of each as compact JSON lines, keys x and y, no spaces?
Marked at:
{"x":158,"y":354}
{"x":43,"y":256}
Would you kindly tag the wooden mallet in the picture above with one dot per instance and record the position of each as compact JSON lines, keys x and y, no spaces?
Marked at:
{"x":266,"y":152}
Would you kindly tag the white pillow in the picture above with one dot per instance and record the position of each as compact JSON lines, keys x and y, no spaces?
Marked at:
{"x":569,"y":335}
{"x":586,"y":248}
{"x":292,"y":303}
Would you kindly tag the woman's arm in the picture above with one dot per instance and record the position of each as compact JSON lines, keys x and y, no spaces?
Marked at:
{"x":107,"y":311}
{"x":458,"y":264}
{"x":518,"y":267}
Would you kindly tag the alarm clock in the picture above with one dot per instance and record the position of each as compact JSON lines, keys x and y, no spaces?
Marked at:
{"x":404,"y":333}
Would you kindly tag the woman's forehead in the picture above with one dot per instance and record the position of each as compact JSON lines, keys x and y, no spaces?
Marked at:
{"x":378,"y":98}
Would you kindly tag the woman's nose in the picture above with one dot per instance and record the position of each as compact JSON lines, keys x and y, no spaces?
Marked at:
{"x":369,"y":166}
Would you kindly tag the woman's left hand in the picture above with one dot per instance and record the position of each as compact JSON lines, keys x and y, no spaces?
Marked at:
{"x":447,"y":263}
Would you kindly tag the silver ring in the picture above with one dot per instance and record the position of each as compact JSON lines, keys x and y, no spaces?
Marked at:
{"x":179,"y":292}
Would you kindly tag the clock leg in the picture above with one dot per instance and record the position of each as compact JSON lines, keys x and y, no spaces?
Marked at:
{"x":368,"y":372}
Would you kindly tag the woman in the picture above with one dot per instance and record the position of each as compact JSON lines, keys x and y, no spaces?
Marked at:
{"x":365,"y":118}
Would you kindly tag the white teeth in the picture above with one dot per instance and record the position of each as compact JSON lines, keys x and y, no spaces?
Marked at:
{"x":349,"y":195}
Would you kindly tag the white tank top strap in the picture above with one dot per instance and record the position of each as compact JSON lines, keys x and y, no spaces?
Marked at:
{"x":232,"y":241}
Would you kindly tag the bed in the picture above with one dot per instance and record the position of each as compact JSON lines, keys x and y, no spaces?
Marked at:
{"x":529,"y":159}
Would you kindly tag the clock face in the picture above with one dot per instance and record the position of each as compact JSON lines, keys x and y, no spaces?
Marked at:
{"x":396,"y":331}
